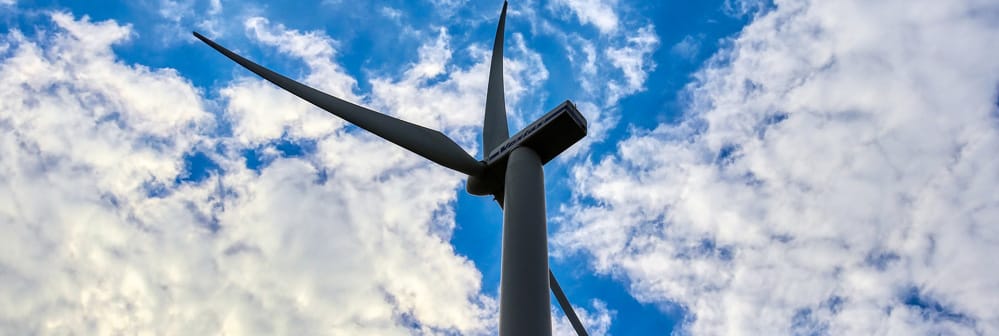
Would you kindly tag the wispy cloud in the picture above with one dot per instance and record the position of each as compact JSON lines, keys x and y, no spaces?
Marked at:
{"x":599,"y":13}
{"x":607,"y":67}
{"x":633,"y":59}
{"x":687,"y":48}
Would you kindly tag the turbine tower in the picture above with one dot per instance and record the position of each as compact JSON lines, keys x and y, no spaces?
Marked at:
{"x":511,"y":170}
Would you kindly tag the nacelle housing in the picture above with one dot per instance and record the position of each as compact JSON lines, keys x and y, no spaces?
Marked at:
{"x":548,"y":136}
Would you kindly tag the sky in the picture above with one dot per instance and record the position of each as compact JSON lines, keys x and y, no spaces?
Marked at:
{"x":752,"y":167}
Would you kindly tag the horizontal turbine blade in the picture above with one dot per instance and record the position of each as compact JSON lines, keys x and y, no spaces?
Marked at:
{"x":430,"y":144}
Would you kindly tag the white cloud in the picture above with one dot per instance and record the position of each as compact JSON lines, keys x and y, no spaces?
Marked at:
{"x":391,"y":13}
{"x":447,"y":8}
{"x":596,"y":323}
{"x":607,"y":69}
{"x":739,"y":8}
{"x":624,"y":68}
{"x":687,"y":48}
{"x":834,"y":175}
{"x":600,"y":13}
{"x":589,"y":66}
{"x":101,"y":239}
{"x":314,"y":48}
{"x":620,"y":70}
{"x":174,"y":10}
{"x":262,"y":112}
{"x":214,"y":7}
{"x":434,"y":93}
{"x":634,"y":60}
{"x":82,"y":136}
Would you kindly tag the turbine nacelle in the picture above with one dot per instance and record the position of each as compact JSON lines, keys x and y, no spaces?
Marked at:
{"x":548,"y":136}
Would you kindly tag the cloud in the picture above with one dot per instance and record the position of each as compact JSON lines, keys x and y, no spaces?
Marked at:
{"x":739,"y":8}
{"x":633,"y":59}
{"x":447,"y":8}
{"x":624,"y":66}
{"x":107,"y":230}
{"x":262,"y":112}
{"x":436,"y":93}
{"x":606,"y":68}
{"x":596,"y":322}
{"x":832,"y":175}
{"x":599,"y":13}
{"x":687,"y":48}
{"x":314,"y":48}
{"x":391,"y":13}
{"x":172,"y":20}
{"x":83,"y":135}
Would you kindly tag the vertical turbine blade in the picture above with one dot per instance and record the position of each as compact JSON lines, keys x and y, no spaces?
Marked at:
{"x":494,"y":129}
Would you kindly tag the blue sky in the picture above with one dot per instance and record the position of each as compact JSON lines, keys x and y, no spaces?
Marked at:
{"x":751,"y":167}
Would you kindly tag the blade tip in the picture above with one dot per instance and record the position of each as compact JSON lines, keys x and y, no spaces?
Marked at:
{"x":198,"y":35}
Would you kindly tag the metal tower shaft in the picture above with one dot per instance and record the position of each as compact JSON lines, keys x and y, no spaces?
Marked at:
{"x":524,"y":302}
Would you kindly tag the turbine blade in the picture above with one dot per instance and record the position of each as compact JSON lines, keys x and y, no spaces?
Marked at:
{"x":566,"y":306}
{"x":425,"y":142}
{"x":494,"y":129}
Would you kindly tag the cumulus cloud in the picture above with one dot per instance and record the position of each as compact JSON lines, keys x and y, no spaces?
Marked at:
{"x":107,"y":231}
{"x":833,"y":175}
{"x":83,"y":136}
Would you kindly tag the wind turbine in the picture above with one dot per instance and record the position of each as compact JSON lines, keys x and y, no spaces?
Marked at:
{"x":511,"y":170}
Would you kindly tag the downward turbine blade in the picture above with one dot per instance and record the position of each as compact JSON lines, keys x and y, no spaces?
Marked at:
{"x":494,"y":129}
{"x":425,"y":142}
{"x":563,"y":301}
